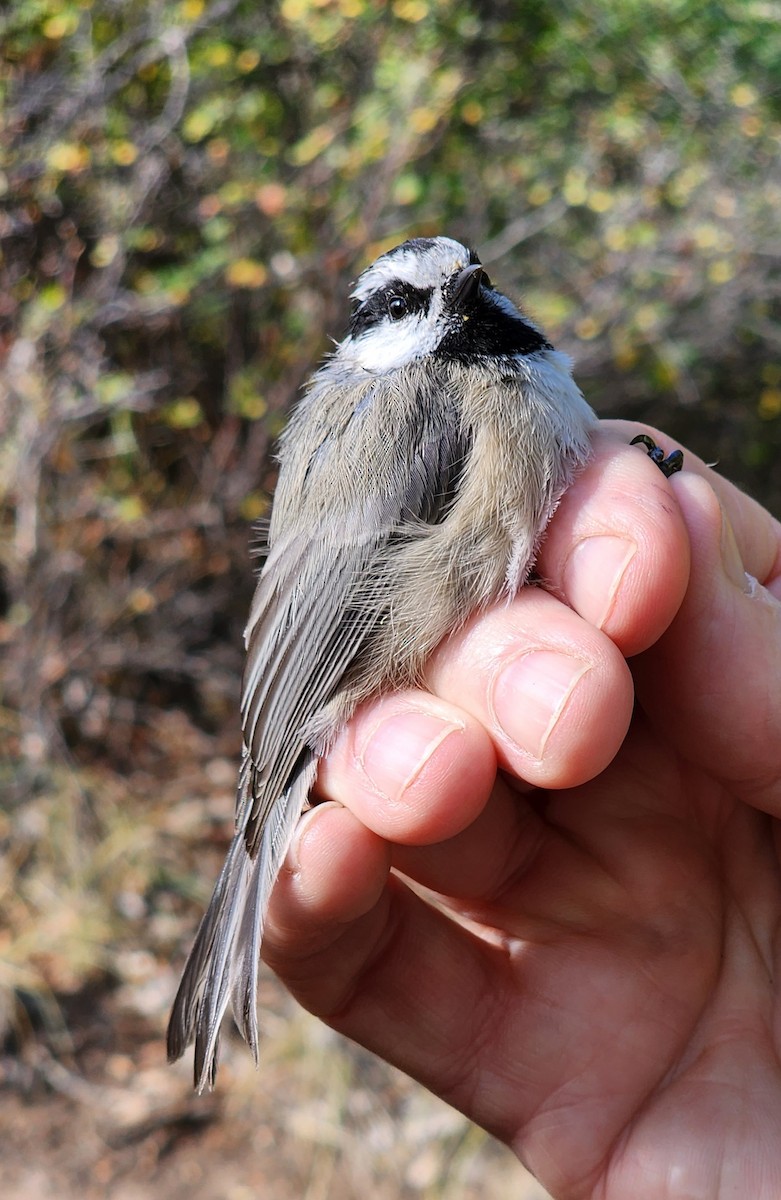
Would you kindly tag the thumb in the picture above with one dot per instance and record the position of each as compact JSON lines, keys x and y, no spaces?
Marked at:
{"x":711,"y":682}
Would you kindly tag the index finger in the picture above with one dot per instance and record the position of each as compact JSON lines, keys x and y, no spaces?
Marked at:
{"x":757,"y":532}
{"x":617,"y":548}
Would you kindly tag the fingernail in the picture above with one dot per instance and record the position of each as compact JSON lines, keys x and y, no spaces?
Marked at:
{"x":593,"y":574}
{"x":530,"y":694}
{"x":301,"y":830}
{"x":397,"y":749}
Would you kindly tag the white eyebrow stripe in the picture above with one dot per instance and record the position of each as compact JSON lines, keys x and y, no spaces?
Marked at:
{"x":422,"y":269}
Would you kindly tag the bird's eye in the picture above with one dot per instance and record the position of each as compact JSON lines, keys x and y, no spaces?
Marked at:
{"x":397,"y":308}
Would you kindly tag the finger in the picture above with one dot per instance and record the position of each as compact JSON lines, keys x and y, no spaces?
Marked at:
{"x":554,"y":694}
{"x":455,"y":827}
{"x":335,"y":873}
{"x":335,"y":909}
{"x":418,"y":769}
{"x":397,"y":974}
{"x":710,"y":684}
{"x":757,"y":533}
{"x":414,"y":769}
{"x":617,"y":548}
{"x":423,"y":990}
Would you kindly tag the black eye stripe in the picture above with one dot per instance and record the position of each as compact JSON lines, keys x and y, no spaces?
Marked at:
{"x":375,"y":307}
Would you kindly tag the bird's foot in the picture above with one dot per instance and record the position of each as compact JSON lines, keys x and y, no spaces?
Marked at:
{"x":669,"y":464}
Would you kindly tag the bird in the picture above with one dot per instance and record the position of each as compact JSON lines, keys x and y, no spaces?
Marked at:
{"x":417,"y":476}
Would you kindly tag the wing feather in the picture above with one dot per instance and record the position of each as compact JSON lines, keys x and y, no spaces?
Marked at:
{"x":317,"y":603}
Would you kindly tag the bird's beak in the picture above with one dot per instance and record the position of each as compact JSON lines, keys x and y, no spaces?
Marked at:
{"x":466,"y":285}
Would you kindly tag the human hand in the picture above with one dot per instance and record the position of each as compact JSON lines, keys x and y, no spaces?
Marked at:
{"x":581,"y":951}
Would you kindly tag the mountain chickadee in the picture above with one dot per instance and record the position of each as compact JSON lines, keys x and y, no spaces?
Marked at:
{"x":417,"y":476}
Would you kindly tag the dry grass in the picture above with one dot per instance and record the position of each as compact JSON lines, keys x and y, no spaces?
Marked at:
{"x":101,"y":881}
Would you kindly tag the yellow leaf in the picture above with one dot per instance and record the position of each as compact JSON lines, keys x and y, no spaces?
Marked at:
{"x":587,"y":329}
{"x":130,"y":508}
{"x":219,"y":55}
{"x":60,"y":25}
{"x":646,"y":317}
{"x":232,"y":193}
{"x":407,"y":189}
{"x":183,"y":414}
{"x":147,"y":240}
{"x":616,"y":238}
{"x":472,"y":112}
{"x":253,"y":506}
{"x":105,"y":250}
{"x":253,"y":408}
{"x":538,"y":194}
{"x":574,"y":190}
{"x":70,"y":157}
{"x":53,"y":297}
{"x":295,"y":10}
{"x":743,"y":95}
{"x":624,"y":356}
{"x":600,"y":201}
{"x":247,"y":61}
{"x":191,"y":10}
{"x":707,"y":236}
{"x":769,"y":405}
{"x":197,"y":124}
{"x":246,"y":273}
{"x":411,"y":10}
{"x":141,"y":600}
{"x":423,"y":120}
{"x":311,"y":145}
{"x":721,"y":271}
{"x":124,"y":152}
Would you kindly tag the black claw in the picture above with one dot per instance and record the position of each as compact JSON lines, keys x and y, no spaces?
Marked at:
{"x":669,"y":465}
{"x":673,"y":462}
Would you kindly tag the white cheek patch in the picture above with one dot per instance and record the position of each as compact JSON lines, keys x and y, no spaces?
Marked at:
{"x":390,"y":345}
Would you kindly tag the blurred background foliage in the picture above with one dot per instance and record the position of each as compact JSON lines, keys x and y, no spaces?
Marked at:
{"x":187,"y":190}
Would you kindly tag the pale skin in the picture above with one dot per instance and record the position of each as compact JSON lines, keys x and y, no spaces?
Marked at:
{"x":599,"y":981}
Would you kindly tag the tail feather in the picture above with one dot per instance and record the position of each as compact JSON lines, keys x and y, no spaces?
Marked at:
{"x":223,"y":964}
{"x":277,"y":836}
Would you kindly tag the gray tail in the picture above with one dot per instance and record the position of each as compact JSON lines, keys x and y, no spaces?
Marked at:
{"x":222,"y":966}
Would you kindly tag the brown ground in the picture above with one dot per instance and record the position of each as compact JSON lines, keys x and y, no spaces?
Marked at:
{"x":102,"y":879}
{"x":320,"y":1119}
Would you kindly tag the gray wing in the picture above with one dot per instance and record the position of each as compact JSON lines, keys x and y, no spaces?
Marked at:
{"x":304,"y":633}
{"x":316,"y":604}
{"x":315,"y":607}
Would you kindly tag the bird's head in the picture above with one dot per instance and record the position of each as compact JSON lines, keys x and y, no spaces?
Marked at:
{"x":432,"y":296}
